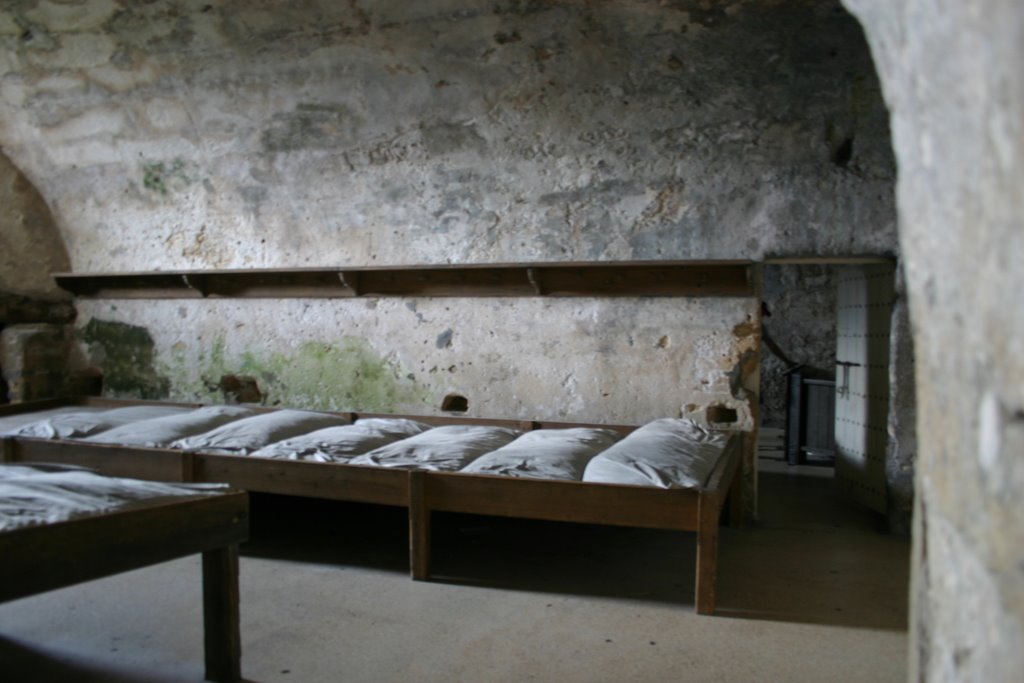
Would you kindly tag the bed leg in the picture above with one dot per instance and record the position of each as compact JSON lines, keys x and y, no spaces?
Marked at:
{"x":707,"y":553}
{"x":6,"y":450}
{"x":734,"y":511}
{"x":222,"y":639}
{"x":419,"y":528}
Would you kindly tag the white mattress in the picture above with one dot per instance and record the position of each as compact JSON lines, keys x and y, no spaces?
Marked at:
{"x":249,"y":434}
{"x":442,"y":449}
{"x":667,"y":453}
{"x":33,"y":495}
{"x":82,"y":423}
{"x":341,"y":444}
{"x":162,"y":431}
{"x":546,"y":454}
{"x":11,"y":422}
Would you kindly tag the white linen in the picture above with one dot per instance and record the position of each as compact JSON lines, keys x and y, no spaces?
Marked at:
{"x":341,"y":444}
{"x":442,"y":449}
{"x":244,"y":436}
{"x":43,"y":495}
{"x":82,"y":423}
{"x":161,"y":431}
{"x":10,"y":422}
{"x":546,"y":454}
{"x":667,"y":453}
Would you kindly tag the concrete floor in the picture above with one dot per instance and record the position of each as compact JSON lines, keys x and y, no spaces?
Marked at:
{"x":812,"y":593}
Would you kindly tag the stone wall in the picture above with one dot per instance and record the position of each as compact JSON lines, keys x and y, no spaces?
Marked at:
{"x":185,"y":134}
{"x":801,"y":302}
{"x":190,"y":135}
{"x":31,"y":247}
{"x":35,"y":315}
{"x":951,"y":76}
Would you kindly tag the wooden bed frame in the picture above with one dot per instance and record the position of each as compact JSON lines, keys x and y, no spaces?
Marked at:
{"x":45,"y":557}
{"x":696,"y":510}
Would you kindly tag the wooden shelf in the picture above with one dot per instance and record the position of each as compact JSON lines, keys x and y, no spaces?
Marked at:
{"x":602,"y":279}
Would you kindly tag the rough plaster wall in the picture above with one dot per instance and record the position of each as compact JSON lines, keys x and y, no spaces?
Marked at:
{"x":229,"y":134}
{"x":618,"y":361}
{"x":902,"y":423}
{"x":802,"y":303}
{"x":200,"y":134}
{"x":952,"y":79}
{"x":30,"y":245}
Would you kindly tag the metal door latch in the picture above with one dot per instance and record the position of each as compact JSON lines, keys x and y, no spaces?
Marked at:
{"x":844,"y":386}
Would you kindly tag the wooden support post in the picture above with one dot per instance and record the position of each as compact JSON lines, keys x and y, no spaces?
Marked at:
{"x":222,"y":638}
{"x":707,"y":552}
{"x":735,"y":502}
{"x":419,"y":527}
{"x":6,"y":450}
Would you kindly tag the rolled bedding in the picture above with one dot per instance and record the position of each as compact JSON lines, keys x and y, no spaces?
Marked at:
{"x":8,"y":423}
{"x":33,"y":495}
{"x":249,"y":434}
{"x":442,"y":449}
{"x":668,"y":453}
{"x":84,"y":423}
{"x":162,"y":431}
{"x":341,"y":444}
{"x":546,"y":454}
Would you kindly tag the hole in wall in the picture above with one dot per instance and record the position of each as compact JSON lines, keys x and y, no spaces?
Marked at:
{"x":843,"y":152}
{"x":240,"y":389}
{"x":721,"y":414}
{"x":455,"y":403}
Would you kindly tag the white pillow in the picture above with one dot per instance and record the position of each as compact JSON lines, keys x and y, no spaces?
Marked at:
{"x":546,"y":454}
{"x":341,"y":444}
{"x":162,"y":431}
{"x":442,"y":449}
{"x":252,"y":433}
{"x":78,"y":425}
{"x":667,"y":453}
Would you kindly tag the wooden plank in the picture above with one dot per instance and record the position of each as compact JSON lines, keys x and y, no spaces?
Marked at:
{"x":562,"y":501}
{"x":41,"y":558}
{"x":334,"y":481}
{"x":446,"y":282}
{"x":276,"y":285}
{"x":647,"y":280}
{"x":605,"y":279}
{"x":419,"y":527}
{"x":707,"y":552}
{"x":221,"y":626}
{"x":156,"y":464}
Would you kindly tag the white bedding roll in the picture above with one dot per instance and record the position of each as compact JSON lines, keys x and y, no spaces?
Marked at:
{"x":667,"y":453}
{"x":8,"y":423}
{"x":84,"y":423}
{"x":546,"y":454}
{"x":442,"y":449}
{"x":341,"y":444}
{"x":244,"y":436}
{"x":43,"y":495}
{"x":162,"y":431}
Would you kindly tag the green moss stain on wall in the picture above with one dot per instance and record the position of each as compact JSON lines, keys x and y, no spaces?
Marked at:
{"x":126,"y":356}
{"x":347,"y":374}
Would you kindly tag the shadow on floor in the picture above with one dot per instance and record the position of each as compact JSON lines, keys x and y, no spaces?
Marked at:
{"x":24,"y":663}
{"x":812,"y":559}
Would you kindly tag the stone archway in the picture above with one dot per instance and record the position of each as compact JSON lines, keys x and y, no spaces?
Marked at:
{"x":951,"y":78}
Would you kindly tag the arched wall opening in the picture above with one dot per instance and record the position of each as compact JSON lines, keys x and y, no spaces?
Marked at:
{"x":950,"y":78}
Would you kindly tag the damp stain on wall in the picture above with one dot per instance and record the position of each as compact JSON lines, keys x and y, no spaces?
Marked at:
{"x":347,"y":374}
{"x":126,"y":355}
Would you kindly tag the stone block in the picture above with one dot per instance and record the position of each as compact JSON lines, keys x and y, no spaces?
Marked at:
{"x":33,"y":359}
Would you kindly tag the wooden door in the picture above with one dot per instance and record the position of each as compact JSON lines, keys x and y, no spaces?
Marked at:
{"x":865,"y":299}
